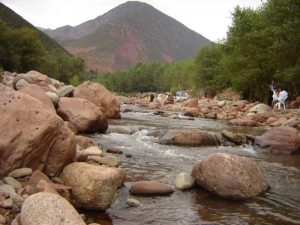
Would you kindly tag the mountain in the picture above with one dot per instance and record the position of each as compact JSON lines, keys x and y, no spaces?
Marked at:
{"x":13,"y":20}
{"x":131,"y":33}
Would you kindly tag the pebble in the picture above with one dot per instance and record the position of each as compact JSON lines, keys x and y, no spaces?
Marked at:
{"x":13,"y":182}
{"x":7,"y":203}
{"x":7,"y":190}
{"x":22,"y":172}
{"x":133,"y":202}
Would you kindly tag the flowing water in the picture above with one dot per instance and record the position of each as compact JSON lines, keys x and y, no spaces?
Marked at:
{"x":152,"y":161}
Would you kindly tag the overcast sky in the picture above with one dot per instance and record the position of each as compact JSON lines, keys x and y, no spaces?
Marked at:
{"x":210,"y":18}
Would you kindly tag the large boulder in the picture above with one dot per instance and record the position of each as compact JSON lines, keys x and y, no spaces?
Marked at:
{"x":38,"y":93}
{"x":83,"y":114}
{"x":189,"y":138}
{"x":31,"y":135}
{"x":101,"y":97}
{"x":49,"y":209}
{"x":230,"y":176}
{"x":284,"y":140}
{"x":93,"y":186}
{"x":150,"y":188}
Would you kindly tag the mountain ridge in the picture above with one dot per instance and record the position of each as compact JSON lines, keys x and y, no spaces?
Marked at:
{"x":132,"y":32}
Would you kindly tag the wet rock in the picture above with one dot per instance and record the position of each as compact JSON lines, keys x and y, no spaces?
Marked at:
{"x":13,"y":182}
{"x":83,"y":114}
{"x":122,"y":129}
{"x":114,"y":150}
{"x":243,"y":122}
{"x":106,"y":160}
{"x":49,"y":209}
{"x":133,"y":202}
{"x":93,"y":186}
{"x":235,"y":138}
{"x":150,"y":188}
{"x":184,"y":181}
{"x":193,"y":112}
{"x":128,"y":155}
{"x":22,"y":172}
{"x":280,"y":140}
{"x":188,"y":138}
{"x":230,"y":176}
{"x":101,"y":97}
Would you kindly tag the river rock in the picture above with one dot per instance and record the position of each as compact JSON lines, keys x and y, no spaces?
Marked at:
{"x":91,"y":151}
{"x":150,"y":188}
{"x":22,"y":172}
{"x":184,"y":181}
{"x":188,"y":138}
{"x":21,"y":84}
{"x":235,"y":138}
{"x":243,"y":122}
{"x":93,"y":186}
{"x":38,"y":93}
{"x":2,"y":219}
{"x":260,"y":108}
{"x":83,"y":114}
{"x":262,"y":117}
{"x":193,"y":102}
{"x":65,"y":91}
{"x":230,"y":176}
{"x":193,"y":112}
{"x":32,"y":135}
{"x":83,"y":141}
{"x":113,"y":150}
{"x":101,"y":97}
{"x":49,"y":209}
{"x":53,"y":97}
{"x":133,"y":202}
{"x":13,"y":182}
{"x":7,"y":203}
{"x":122,"y":129}
{"x":106,"y":160}
{"x":281,"y":140}
{"x":7,"y":190}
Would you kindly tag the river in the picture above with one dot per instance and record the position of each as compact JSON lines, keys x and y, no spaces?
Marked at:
{"x":152,"y":161}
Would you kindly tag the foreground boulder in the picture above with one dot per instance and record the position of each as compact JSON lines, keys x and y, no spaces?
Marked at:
{"x":31,"y":135}
{"x":284,"y":140}
{"x":93,"y":186}
{"x":38,"y":93}
{"x":150,"y":188}
{"x":188,"y":138}
{"x":83,"y":114}
{"x":101,"y":97}
{"x":49,"y":209}
{"x":230,"y":176}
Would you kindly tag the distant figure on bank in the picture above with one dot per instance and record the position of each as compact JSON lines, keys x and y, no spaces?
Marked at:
{"x":151,"y":98}
{"x":168,"y":99}
{"x":283,"y":95}
{"x":275,"y":96}
{"x":271,"y":92}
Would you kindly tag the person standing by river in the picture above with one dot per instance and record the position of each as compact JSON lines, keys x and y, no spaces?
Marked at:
{"x":271,"y":92}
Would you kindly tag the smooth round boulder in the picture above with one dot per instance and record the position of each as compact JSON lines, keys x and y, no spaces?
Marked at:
{"x":279,"y":140}
{"x":83,"y":114}
{"x":150,"y":188}
{"x":188,"y":137}
{"x":49,"y":209}
{"x":101,"y":97}
{"x":93,"y":186}
{"x":260,"y":108}
{"x":230,"y":176}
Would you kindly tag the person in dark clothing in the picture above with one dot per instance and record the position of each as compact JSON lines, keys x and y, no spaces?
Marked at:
{"x":271,"y":92}
{"x":151,"y":98}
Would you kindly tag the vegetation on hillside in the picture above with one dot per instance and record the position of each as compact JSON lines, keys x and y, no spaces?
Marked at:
{"x":261,"y":45}
{"x":24,"y":48}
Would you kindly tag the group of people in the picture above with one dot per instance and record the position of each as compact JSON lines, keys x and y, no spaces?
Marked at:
{"x":163,"y":100}
{"x":277,"y":96}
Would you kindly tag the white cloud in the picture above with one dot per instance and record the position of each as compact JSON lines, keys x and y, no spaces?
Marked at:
{"x":210,"y":18}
